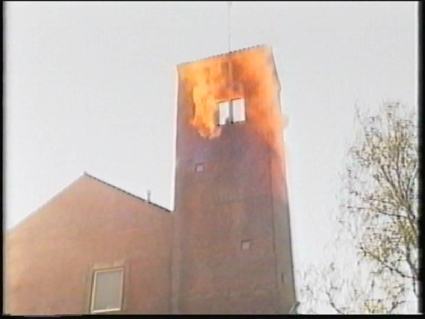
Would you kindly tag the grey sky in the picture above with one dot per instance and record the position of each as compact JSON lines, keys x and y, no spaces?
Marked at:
{"x":92,"y":87}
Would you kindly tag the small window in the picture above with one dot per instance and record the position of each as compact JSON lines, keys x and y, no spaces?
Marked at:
{"x":238,"y":110}
{"x":107,"y":291}
{"x":246,"y":245}
{"x":199,"y":167}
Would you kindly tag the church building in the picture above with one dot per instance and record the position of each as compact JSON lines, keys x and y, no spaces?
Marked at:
{"x":224,"y":249}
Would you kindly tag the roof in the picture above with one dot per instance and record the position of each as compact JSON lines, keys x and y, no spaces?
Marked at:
{"x":127,"y":193}
{"x":34,"y":213}
{"x":256,"y":47}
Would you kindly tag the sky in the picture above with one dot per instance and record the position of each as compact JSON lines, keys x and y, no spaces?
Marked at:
{"x":92,"y":87}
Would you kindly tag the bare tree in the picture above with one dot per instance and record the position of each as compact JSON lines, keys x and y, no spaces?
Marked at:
{"x":379,"y":215}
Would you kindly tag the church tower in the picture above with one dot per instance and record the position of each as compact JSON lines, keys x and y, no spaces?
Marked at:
{"x":232,"y":244}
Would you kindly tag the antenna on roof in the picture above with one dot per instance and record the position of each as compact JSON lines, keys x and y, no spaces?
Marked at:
{"x":229,"y":4}
{"x":229,"y":69}
{"x":148,"y":195}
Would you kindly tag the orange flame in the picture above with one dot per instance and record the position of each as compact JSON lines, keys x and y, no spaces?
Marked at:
{"x":211,"y":81}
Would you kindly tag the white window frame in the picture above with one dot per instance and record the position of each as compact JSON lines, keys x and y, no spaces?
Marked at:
{"x":228,"y":105}
{"x":234,"y":103}
{"x":221,"y":106}
{"x":93,"y":290}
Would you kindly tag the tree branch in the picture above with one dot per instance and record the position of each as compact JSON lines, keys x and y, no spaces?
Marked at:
{"x":379,"y":211}
{"x":383,"y":263}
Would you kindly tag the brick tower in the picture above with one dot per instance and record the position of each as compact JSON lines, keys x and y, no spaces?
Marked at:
{"x":231,"y":229}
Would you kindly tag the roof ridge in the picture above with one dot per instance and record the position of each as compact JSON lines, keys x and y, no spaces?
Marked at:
{"x":126,"y":192}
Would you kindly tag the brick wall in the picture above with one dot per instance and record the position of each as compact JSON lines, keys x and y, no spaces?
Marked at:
{"x":239,"y":195}
{"x":188,"y":261}
{"x":51,"y":256}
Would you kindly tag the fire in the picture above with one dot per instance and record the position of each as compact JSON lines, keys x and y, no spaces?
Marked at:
{"x":211,"y":81}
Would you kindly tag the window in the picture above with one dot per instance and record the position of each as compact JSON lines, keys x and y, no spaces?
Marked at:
{"x":231,"y":111}
{"x":238,"y":110}
{"x":224,"y":113}
{"x":199,"y":167}
{"x":107,"y":290}
{"x":246,"y":245}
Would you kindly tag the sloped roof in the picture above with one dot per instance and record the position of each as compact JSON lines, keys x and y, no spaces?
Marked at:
{"x":125,"y":192}
{"x":85,"y":174}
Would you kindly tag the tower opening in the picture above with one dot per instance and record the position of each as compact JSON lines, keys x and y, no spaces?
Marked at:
{"x":231,"y":111}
